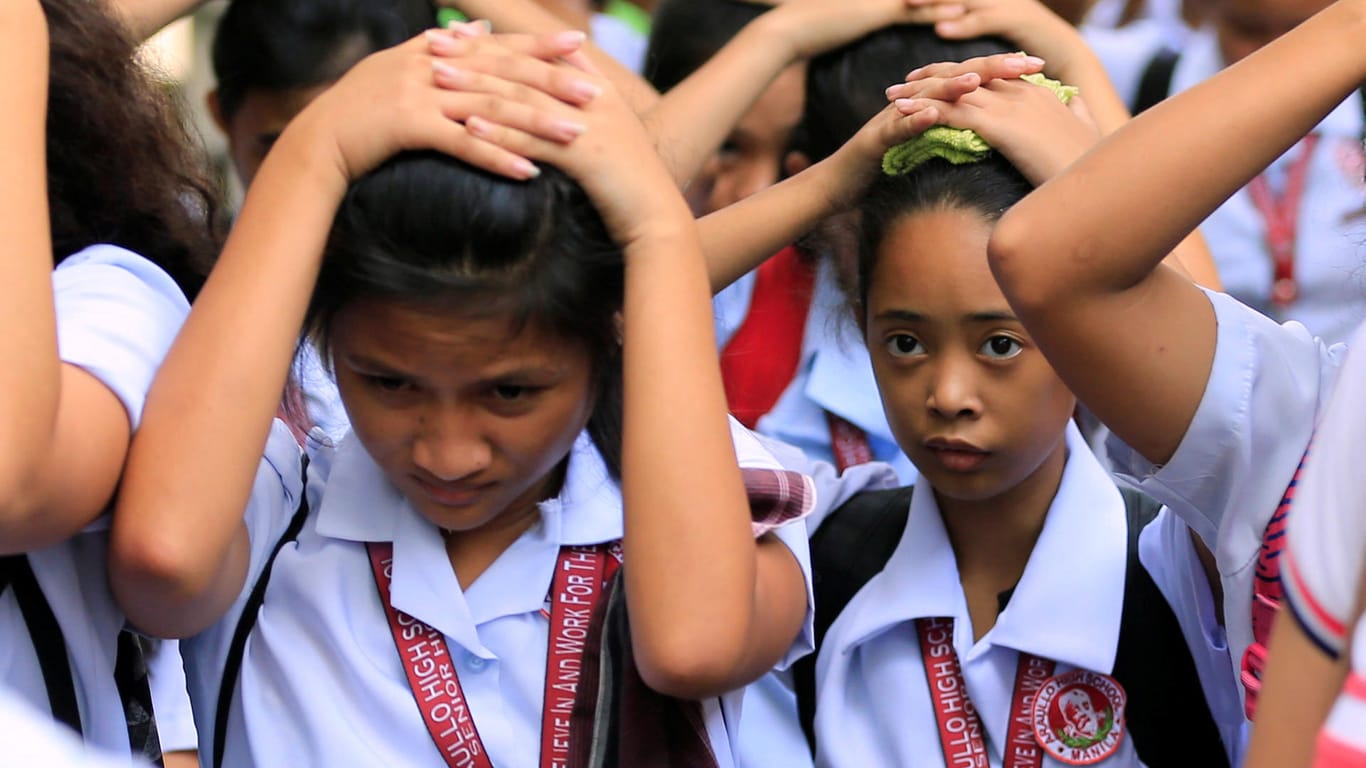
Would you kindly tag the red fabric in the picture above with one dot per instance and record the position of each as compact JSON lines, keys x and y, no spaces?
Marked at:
{"x":762,"y":356}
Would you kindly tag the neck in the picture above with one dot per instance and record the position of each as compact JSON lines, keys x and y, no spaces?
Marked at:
{"x":993,"y":538}
{"x":472,"y":552}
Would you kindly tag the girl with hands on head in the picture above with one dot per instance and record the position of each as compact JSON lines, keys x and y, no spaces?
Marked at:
{"x":519,"y":325}
{"x":1230,"y":398}
{"x":108,"y":219}
{"x":1009,"y":495}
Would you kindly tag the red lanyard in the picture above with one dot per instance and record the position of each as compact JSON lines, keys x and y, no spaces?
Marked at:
{"x":581,"y":573}
{"x":1280,"y":215}
{"x":848,"y":443}
{"x":960,"y":728}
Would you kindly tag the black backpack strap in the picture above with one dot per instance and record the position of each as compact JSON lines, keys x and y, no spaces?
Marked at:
{"x":1156,"y":82}
{"x":48,"y":641}
{"x":135,"y":691}
{"x":232,"y":666}
{"x":852,"y":546}
{"x":1166,"y":714}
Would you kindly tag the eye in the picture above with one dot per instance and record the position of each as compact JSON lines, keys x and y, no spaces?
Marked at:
{"x":387,"y":383}
{"x":1001,"y":348}
{"x":509,"y":392}
{"x":903,"y":345}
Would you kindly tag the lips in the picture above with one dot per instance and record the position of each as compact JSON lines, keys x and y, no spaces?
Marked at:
{"x":454,"y":494}
{"x":956,"y":455}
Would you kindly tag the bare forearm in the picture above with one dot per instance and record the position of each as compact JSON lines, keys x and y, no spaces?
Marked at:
{"x":691,"y":121}
{"x":30,"y":378}
{"x":1182,"y":158}
{"x":687,"y":521}
{"x":739,"y":237}
{"x":178,"y":534}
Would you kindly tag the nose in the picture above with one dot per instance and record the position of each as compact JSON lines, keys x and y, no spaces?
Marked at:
{"x":451,"y":446}
{"x":954,"y":390}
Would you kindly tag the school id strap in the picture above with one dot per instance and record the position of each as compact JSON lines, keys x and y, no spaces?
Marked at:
{"x":581,"y":576}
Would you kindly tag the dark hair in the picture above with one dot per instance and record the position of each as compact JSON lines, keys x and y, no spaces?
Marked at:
{"x":845,"y":87}
{"x":426,"y":227}
{"x":987,"y":187}
{"x":686,"y":33}
{"x":277,"y":45}
{"x":121,"y":165}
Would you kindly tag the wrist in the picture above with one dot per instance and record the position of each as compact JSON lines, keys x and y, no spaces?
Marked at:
{"x":309,"y":157}
{"x":777,"y":30}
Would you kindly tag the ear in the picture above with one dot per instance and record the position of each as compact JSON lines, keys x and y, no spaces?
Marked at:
{"x":795,"y":162}
{"x":216,"y":110}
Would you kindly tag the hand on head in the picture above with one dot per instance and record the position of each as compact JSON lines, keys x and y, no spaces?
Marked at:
{"x":418,"y":95}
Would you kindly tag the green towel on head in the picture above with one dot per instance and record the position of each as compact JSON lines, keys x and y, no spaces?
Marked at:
{"x":956,"y":145}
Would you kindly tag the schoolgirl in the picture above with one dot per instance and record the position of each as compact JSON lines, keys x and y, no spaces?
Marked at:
{"x":107,"y":223}
{"x":1212,"y":405}
{"x":1017,"y":552}
{"x":476,"y":348}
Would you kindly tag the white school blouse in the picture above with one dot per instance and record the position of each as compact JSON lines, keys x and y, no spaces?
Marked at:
{"x":1263,"y":397}
{"x":1326,"y":553}
{"x":874,"y":706}
{"x":117,"y":314}
{"x":321,"y":682}
{"x":29,"y":737}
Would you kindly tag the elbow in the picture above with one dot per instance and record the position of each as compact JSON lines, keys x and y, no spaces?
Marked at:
{"x":158,"y":582}
{"x":27,"y":522}
{"x":689,"y":665}
{"x":1013,"y":252}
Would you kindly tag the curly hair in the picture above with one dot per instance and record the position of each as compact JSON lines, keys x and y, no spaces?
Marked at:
{"x":123,"y":168}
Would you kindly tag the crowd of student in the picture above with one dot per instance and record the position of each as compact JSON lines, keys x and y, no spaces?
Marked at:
{"x":854,"y":386}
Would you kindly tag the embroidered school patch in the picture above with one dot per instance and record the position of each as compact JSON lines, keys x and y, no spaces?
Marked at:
{"x":1079,"y":717}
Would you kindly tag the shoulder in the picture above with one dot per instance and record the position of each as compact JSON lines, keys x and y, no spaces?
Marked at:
{"x":117,"y":315}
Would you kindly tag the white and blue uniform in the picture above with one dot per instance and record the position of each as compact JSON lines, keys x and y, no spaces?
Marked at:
{"x":874,"y":703}
{"x":1330,"y":225}
{"x":321,"y":681}
{"x":117,"y":314}
{"x":1263,"y":397}
{"x":29,"y":737}
{"x":834,"y":375}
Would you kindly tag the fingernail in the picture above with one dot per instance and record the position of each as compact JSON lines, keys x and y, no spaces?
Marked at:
{"x":913,"y":74}
{"x":893,"y":90}
{"x":439,"y":41}
{"x":525,"y":168}
{"x":570,"y":129}
{"x":585,"y":90}
{"x":906,"y":105}
{"x":476,"y":126}
{"x":485,"y":25}
{"x":572,"y":37}
{"x":1035,"y":60}
{"x":446,"y":74}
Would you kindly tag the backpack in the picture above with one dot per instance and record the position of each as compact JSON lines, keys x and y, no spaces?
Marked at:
{"x":1166,"y":713}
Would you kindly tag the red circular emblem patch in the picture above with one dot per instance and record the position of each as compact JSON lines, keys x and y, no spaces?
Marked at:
{"x":1079,"y":716}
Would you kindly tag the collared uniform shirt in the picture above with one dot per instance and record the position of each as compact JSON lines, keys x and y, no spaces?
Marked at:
{"x":29,"y":737}
{"x":1326,"y":553}
{"x":117,"y":314}
{"x":321,"y":682}
{"x":834,"y":375}
{"x":874,"y":705}
{"x":1263,"y":397}
{"x":1330,"y":222}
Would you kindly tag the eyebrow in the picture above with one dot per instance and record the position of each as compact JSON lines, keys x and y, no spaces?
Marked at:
{"x":908,"y":316}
